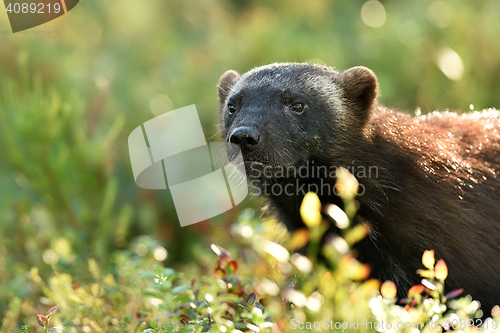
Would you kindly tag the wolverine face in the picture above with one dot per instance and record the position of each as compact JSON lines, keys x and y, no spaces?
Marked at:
{"x":287,"y":114}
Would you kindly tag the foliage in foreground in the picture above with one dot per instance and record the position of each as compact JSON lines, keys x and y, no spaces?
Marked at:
{"x":265,"y":287}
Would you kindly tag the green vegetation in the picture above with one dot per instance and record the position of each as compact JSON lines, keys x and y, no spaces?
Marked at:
{"x":75,"y":230}
{"x":268,"y":288}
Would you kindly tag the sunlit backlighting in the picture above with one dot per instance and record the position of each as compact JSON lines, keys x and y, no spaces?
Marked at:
{"x":296,"y":297}
{"x":450,"y":63}
{"x":301,"y":262}
{"x":246,"y":231}
{"x":253,"y":327}
{"x":428,"y":259}
{"x":160,"y":253}
{"x":340,"y":244}
{"x":474,"y":305}
{"x":336,"y":213}
{"x":276,"y":250}
{"x":257,"y":311}
{"x":215,"y":249}
{"x":268,"y":287}
{"x":373,"y":14}
{"x":496,"y":310}
{"x":388,"y":289}
{"x":440,"y":270}
{"x":313,"y":304}
{"x":428,"y":284}
{"x":310,"y":210}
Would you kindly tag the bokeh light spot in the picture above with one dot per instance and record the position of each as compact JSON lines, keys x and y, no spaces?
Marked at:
{"x":373,"y":14}
{"x":50,"y":257}
{"x":450,"y":63}
{"x":160,"y":253}
{"x":141,"y":250}
{"x":246,"y":231}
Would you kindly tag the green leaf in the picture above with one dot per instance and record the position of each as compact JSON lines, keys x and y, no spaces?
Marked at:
{"x":183,"y":298}
{"x":153,"y":323}
{"x":168,"y":272}
{"x":180,"y":289}
{"x":149,"y":274}
{"x":356,"y":234}
{"x":153,"y":293}
{"x":229,"y":298}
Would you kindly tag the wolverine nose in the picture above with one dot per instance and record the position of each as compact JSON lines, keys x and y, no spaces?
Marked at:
{"x":245,"y":137}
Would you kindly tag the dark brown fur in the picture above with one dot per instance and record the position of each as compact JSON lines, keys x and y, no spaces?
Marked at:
{"x":447,"y":194}
{"x":437,"y":185}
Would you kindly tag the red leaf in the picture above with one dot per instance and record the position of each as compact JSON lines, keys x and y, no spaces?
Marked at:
{"x":184,"y":320}
{"x":415,"y":290}
{"x":219,"y":272}
{"x":233,"y":266}
{"x":454,"y":293}
{"x":52,"y":311}
{"x":41,"y":320}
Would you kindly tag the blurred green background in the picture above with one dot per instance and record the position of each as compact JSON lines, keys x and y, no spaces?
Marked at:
{"x":73,"y":89}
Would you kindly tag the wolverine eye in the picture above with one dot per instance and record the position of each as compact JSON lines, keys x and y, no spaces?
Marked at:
{"x":298,"y":107}
{"x":231,"y":108}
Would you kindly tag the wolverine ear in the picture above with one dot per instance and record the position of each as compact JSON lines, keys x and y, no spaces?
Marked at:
{"x":227,"y":80}
{"x":361,"y":89}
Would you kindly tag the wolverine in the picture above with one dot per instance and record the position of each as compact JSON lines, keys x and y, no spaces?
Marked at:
{"x":437,"y":184}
